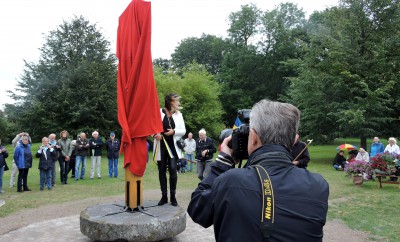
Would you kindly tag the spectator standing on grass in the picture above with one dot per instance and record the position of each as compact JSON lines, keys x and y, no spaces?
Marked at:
{"x":183,"y":166}
{"x":14,"y":168}
{"x":23,"y":160}
{"x":376,"y":148}
{"x":112,"y":147}
{"x":190,"y":148}
{"x":72,"y":158}
{"x":392,"y":148}
{"x":47,"y":155}
{"x":3,"y":156}
{"x":65,"y":154}
{"x":81,"y":146}
{"x":205,"y":150}
{"x":57,"y":148}
{"x":95,"y":144}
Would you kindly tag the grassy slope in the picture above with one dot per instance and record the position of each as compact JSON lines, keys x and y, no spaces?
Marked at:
{"x":365,"y":208}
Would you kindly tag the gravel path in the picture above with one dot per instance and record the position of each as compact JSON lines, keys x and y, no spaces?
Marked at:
{"x":60,"y":222}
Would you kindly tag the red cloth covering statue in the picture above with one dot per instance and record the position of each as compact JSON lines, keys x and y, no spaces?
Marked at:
{"x":138,"y":107}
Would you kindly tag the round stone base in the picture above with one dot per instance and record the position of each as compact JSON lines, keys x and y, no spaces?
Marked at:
{"x":109,"y":222}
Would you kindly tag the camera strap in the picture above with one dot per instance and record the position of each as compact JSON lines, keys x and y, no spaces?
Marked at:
{"x":268,"y":204}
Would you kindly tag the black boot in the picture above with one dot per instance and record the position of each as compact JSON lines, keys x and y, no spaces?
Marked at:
{"x":173,"y":179}
{"x":162,"y":176}
{"x":164,"y":200}
{"x":173,"y":200}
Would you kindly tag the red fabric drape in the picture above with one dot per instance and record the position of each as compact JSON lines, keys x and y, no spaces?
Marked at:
{"x":138,"y":107}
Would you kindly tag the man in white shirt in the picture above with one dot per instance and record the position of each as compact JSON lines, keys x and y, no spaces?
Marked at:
{"x":190,"y":148}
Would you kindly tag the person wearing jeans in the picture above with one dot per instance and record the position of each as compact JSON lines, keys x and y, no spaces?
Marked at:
{"x":82,"y":145}
{"x":190,"y":148}
{"x":57,"y":148}
{"x":47,"y":155}
{"x":112,"y":147}
{"x":95,"y":144}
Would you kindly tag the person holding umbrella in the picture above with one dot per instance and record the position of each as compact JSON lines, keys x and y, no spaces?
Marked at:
{"x":167,"y":150}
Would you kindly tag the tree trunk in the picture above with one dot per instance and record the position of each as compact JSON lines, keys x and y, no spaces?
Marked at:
{"x":363,"y":142}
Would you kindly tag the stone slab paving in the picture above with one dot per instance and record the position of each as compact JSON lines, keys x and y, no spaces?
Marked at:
{"x":67,"y":229}
{"x":109,"y":222}
{"x":60,"y":222}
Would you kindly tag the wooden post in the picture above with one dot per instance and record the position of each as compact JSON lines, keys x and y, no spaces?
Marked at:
{"x":133,"y":190}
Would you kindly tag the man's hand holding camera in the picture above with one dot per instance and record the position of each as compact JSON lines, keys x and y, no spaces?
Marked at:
{"x":225,"y":155}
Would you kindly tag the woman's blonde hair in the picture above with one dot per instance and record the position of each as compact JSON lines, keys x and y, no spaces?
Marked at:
{"x":392,"y":139}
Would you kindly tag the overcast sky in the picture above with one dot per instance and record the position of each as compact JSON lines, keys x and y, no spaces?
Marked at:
{"x":23,"y":24}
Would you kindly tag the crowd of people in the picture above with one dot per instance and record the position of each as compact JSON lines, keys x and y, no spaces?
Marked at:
{"x":376,"y":148}
{"x":70,"y":154}
{"x":230,"y":199}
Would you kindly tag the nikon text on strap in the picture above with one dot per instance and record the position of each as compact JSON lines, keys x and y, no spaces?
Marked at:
{"x":267,"y":213}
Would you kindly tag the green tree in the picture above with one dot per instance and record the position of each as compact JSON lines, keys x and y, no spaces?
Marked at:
{"x":243,"y":24}
{"x":206,"y":50}
{"x":254,"y":70}
{"x":162,"y":63}
{"x":199,"y":92}
{"x":6,"y":129}
{"x":348,"y":76}
{"x":72,"y":86}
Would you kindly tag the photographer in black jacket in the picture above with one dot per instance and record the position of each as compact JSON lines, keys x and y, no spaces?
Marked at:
{"x":294,"y":204}
{"x":205,"y":150}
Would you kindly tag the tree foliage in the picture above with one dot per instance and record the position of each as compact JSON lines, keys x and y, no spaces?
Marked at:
{"x":72,"y":86}
{"x":254,"y":70}
{"x":206,"y":50}
{"x":348,"y":75}
{"x":199,"y":92}
{"x":6,"y":128}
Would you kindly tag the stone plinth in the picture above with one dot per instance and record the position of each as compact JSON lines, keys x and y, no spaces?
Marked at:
{"x":109,"y":222}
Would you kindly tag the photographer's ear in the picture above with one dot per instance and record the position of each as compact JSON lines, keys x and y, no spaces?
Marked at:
{"x":254,"y":141}
{"x":296,"y":138}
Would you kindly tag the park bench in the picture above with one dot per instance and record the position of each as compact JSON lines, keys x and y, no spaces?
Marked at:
{"x":379,"y":177}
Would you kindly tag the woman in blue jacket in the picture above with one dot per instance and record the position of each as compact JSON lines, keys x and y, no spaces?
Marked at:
{"x":23,"y":160}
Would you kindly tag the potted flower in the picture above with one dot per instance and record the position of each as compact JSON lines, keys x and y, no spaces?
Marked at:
{"x":356,"y":169}
{"x":385,"y":164}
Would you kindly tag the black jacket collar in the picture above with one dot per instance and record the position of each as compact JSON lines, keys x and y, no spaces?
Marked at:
{"x":270,"y":155}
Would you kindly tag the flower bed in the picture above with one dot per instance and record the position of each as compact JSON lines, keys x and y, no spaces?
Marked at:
{"x":357,"y":167}
{"x":386,"y":163}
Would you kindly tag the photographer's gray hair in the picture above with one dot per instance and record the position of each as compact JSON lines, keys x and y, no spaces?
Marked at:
{"x":275,"y":122}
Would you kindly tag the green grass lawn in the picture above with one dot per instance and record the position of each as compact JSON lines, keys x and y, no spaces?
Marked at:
{"x":365,"y":208}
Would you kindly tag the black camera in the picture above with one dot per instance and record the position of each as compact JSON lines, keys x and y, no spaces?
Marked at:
{"x":240,"y":136}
